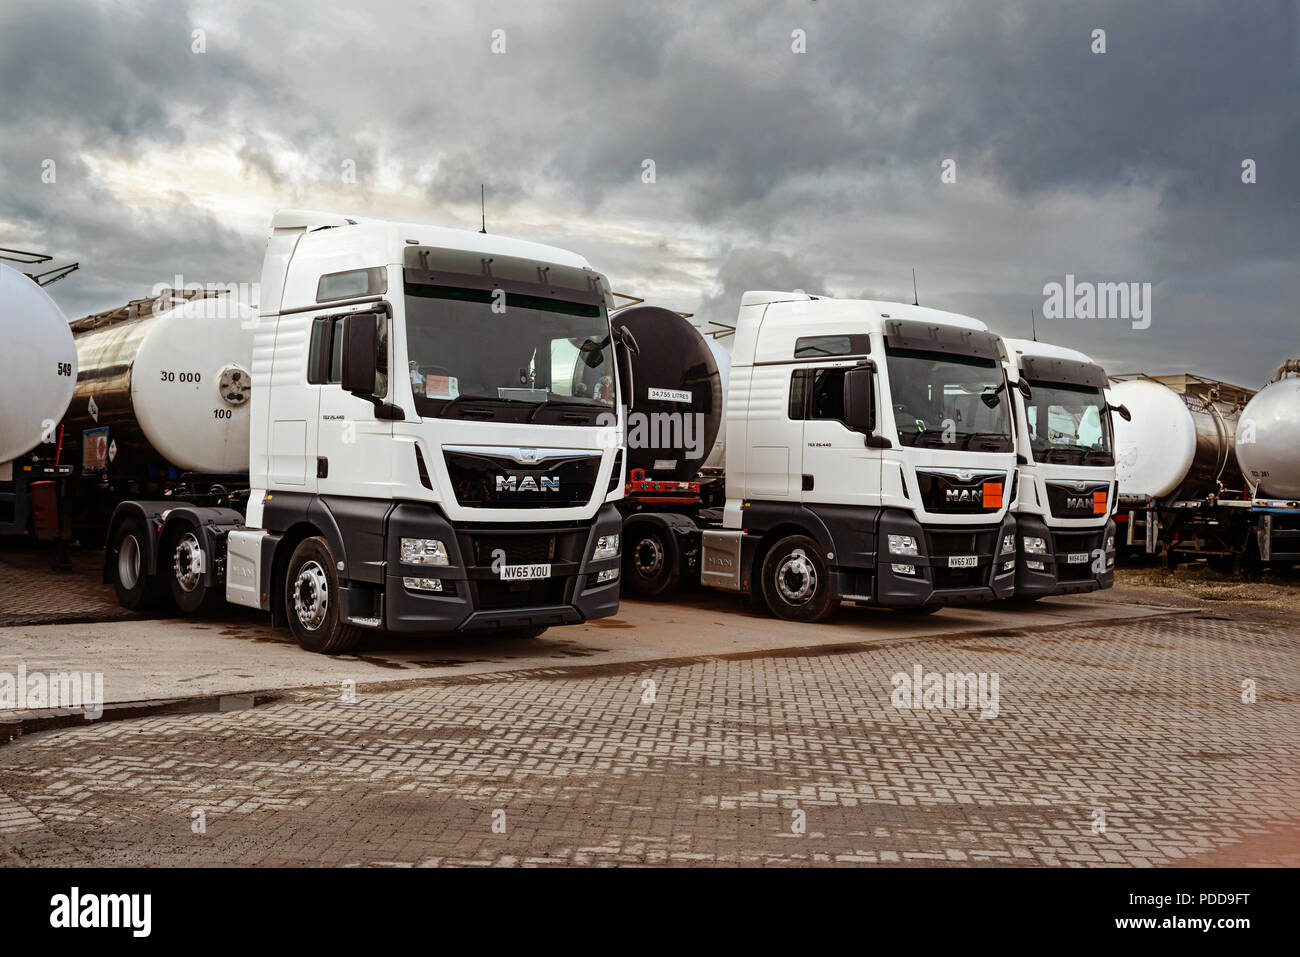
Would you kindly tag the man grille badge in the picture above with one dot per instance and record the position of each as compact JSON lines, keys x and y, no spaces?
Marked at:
{"x":965,"y":476}
{"x":528,"y":456}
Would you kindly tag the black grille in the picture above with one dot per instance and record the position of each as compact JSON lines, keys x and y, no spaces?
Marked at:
{"x":497,"y":595}
{"x":498,"y":481}
{"x":516,"y":549}
{"x":1065,"y":543}
{"x":1067,"y":501}
{"x":953,"y":543}
{"x":951,"y":493}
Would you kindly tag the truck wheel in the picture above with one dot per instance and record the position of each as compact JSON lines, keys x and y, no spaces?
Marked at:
{"x":521,"y":634}
{"x":311,"y":600}
{"x":183,"y":562}
{"x":797,"y":581}
{"x":136,"y":589}
{"x":649,"y":562}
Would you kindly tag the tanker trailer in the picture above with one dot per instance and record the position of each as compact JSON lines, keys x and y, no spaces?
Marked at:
{"x":674,"y":431}
{"x":38,"y":368}
{"x":161,"y":403}
{"x":1268,"y":447}
{"x":1181,"y":490}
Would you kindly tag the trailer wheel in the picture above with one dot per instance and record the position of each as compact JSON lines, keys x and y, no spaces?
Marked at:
{"x":311,"y":600}
{"x":649,"y":562}
{"x":797,"y":581}
{"x":184,"y":563}
{"x":136,"y":589}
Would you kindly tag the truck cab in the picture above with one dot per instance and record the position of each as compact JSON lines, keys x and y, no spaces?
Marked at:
{"x":869,"y":458}
{"x":1066,"y":493}
{"x":435,"y":441}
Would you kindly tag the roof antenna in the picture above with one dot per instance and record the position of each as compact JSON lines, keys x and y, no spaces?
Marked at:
{"x":482,"y":205}
{"x":915,"y":300}
{"x":1033,"y":324}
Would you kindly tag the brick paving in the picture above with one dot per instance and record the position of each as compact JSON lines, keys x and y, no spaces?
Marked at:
{"x":32,"y":594}
{"x":1141,"y":722}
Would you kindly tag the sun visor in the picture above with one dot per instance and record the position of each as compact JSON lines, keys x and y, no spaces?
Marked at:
{"x":437,"y":266}
{"x":1063,"y":371}
{"x":932,"y":337}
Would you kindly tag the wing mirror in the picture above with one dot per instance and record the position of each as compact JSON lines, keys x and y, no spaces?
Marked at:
{"x":1122,"y":411}
{"x":360,"y":346}
{"x":859,"y":399}
{"x":623,"y":338}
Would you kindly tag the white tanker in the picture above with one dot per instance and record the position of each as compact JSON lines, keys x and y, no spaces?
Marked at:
{"x":38,"y":368}
{"x":38,"y":365}
{"x":1268,"y":436}
{"x":166,"y":391}
{"x":1210,"y":470}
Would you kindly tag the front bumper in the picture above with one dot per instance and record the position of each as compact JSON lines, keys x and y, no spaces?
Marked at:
{"x":473,"y":596}
{"x":1059,"y":570}
{"x":935,"y":579}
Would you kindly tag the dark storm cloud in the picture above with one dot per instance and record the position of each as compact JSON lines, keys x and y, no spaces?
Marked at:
{"x":774,"y":169}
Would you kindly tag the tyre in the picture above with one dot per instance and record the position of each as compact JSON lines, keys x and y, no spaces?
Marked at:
{"x":522,"y":634}
{"x":183,"y":562}
{"x":311,"y":600}
{"x":797,"y":581}
{"x":136,"y":589}
{"x":649,"y":562}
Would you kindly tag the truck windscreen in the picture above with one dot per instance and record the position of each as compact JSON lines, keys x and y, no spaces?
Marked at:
{"x":943,"y":400}
{"x":1068,"y":423}
{"x":508,"y":354}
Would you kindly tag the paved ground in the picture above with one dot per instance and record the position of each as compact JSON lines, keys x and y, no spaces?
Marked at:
{"x":1139,"y":726}
{"x":237,"y":651}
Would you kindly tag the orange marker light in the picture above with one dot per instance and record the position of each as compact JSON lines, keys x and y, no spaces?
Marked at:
{"x":992,"y":494}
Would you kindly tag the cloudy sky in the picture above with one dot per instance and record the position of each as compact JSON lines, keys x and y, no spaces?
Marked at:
{"x":820,"y":170}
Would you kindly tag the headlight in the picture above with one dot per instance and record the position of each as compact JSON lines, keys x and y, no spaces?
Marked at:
{"x":1008,"y":543}
{"x":1035,"y":546}
{"x":902,"y":545}
{"x":424,"y":551}
{"x":1110,"y":543}
{"x":423,"y":584}
{"x":608,"y":575}
{"x":903,"y":569}
{"x":606,"y":547}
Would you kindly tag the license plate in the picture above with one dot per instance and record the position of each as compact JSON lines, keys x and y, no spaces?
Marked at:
{"x":962,"y":561}
{"x":522,"y":573}
{"x":1076,"y":558}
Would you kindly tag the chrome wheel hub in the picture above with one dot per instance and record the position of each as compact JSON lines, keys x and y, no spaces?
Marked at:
{"x":649,"y":557}
{"x":187,"y":561}
{"x":311,"y":596}
{"x":796,"y":578}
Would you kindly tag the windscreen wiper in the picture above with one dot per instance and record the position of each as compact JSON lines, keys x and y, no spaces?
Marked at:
{"x":466,"y":397}
{"x":972,"y":436}
{"x":559,"y":403}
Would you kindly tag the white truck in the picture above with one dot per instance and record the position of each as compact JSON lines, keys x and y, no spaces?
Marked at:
{"x":869,"y":458}
{"x":434,"y":438}
{"x":1066,"y":493}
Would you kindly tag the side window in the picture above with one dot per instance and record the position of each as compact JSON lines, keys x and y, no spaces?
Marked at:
{"x":336,"y":350}
{"x":798,"y":393}
{"x":813,"y":347}
{"x":828,"y":394}
{"x":323,"y":356}
{"x":817,"y":394}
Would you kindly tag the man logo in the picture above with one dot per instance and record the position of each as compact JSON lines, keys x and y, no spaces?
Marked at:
{"x":965,"y":476}
{"x":528,"y":456}
{"x":529,"y":483}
